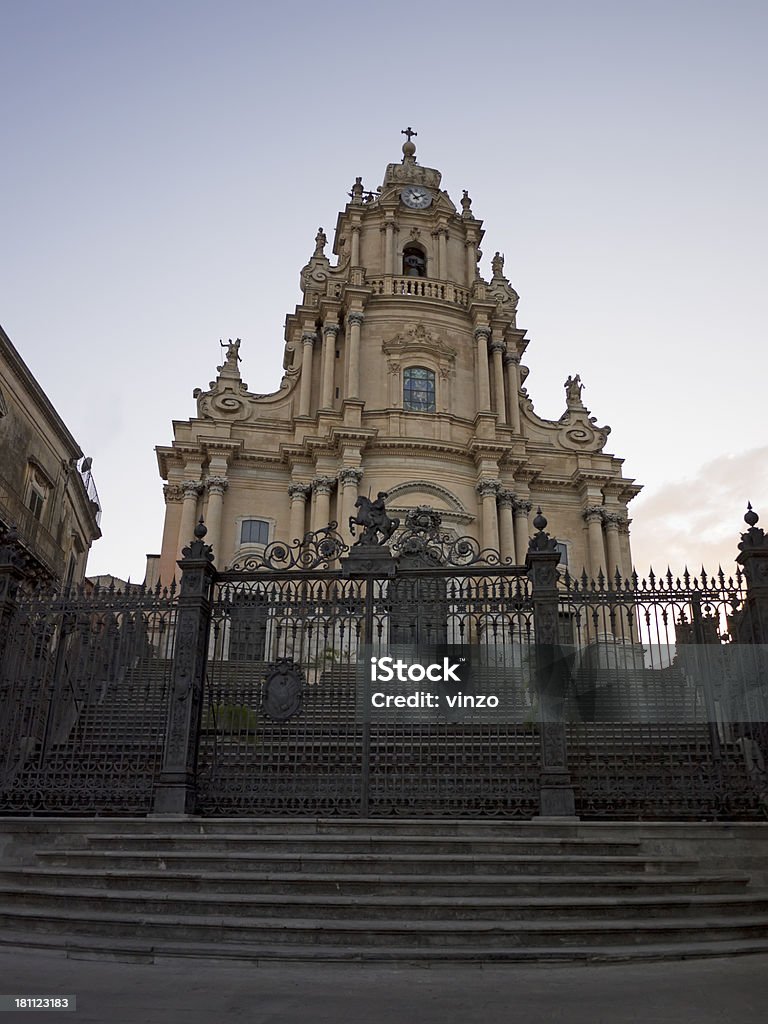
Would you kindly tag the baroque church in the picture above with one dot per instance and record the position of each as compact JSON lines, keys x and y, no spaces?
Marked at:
{"x":404,"y":375}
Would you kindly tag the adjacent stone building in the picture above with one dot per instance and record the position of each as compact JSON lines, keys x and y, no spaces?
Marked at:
{"x":403,"y":374}
{"x":49,"y":507}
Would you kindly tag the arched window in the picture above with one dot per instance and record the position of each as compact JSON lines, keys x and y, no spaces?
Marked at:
{"x":414,"y":261}
{"x":419,"y":389}
{"x":254,"y":531}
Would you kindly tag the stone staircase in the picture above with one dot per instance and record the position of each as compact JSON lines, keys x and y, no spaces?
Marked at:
{"x":370,"y":891}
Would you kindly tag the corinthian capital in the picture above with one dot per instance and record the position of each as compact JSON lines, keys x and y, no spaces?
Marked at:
{"x":330,"y":329}
{"x":593,"y":513}
{"x":173,"y":492}
{"x":505,"y":499}
{"x":355,"y":318}
{"x":192,"y":488}
{"x":498,"y":346}
{"x":217,"y":484}
{"x":350,"y":475}
{"x":323,"y":484}
{"x":301,"y":491}
{"x":521,"y":507}
{"x":487,"y":487}
{"x":612,"y":520}
{"x":482,"y":332}
{"x":308,"y":338}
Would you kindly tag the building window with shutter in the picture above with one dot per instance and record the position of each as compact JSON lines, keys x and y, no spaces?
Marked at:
{"x":254,"y":531}
{"x":419,"y":389}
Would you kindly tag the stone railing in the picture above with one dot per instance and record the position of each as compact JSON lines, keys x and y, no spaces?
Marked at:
{"x":420,"y":288}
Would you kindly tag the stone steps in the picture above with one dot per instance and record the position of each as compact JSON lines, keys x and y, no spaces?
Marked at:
{"x":229,"y":842}
{"x":480,"y":934}
{"x":373,"y":863}
{"x":305,"y":883}
{"x":81,"y":947}
{"x":351,"y":890}
{"x":410,"y":908}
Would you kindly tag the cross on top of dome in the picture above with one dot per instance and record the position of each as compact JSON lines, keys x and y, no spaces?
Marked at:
{"x":409,"y":148}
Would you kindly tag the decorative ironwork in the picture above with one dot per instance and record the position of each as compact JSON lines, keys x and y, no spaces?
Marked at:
{"x":316,"y":550}
{"x":422,"y":541}
{"x":84,"y":683}
{"x":638,"y":698}
{"x":283,"y":690}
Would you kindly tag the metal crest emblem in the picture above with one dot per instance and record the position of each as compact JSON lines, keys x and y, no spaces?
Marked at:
{"x":283,"y":690}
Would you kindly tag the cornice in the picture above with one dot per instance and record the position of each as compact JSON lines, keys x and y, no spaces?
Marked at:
{"x":12,"y":358}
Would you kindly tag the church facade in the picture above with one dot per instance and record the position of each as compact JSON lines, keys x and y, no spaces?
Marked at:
{"x":404,"y":375}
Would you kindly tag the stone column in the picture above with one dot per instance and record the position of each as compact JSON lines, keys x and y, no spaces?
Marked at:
{"x":593,"y":515}
{"x":192,"y":490}
{"x":471,"y":249}
{"x":305,"y":395}
{"x":354,"y":322}
{"x":355,"y":254}
{"x":497,"y":354}
{"x":626,"y":554}
{"x":488,"y":489}
{"x":216,"y":486}
{"x":505,"y":501}
{"x":321,"y":503}
{"x":298,"y":494}
{"x":612,"y":521}
{"x":512,"y":363}
{"x":349,"y":481}
{"x":521,"y":509}
{"x":389,"y":230}
{"x":442,"y":253}
{"x":330,"y":331}
{"x":482,"y":335}
{"x":174,"y":496}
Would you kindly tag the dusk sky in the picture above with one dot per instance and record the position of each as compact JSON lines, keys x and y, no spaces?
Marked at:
{"x":166,"y":165}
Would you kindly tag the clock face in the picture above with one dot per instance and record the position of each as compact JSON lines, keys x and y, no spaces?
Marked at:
{"x":416,"y":197}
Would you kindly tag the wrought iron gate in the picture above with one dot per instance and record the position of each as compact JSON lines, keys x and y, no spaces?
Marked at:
{"x":245,"y":694}
{"x":321,"y":616}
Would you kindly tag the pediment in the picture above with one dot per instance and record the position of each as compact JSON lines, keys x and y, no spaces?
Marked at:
{"x":419,"y":341}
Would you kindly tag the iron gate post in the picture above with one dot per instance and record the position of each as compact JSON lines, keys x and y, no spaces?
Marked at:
{"x":556,"y":797}
{"x":176,"y":790}
{"x":751,"y":622}
{"x":753,"y":627}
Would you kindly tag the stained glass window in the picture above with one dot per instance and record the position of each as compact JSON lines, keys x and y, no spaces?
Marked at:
{"x":419,"y":389}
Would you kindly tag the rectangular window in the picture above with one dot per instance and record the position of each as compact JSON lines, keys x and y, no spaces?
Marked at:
{"x":254,"y":531}
{"x":563,"y":549}
{"x":36,"y":503}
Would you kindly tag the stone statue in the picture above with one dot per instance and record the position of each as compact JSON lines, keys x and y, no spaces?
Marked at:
{"x":497,"y":265}
{"x":233,"y":350}
{"x":321,"y":240}
{"x":573,"y":389}
{"x":372,"y":515}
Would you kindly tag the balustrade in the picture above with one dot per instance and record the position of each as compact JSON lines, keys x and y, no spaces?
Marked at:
{"x":421,"y":288}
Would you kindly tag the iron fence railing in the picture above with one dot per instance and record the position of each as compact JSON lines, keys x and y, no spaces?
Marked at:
{"x":248,"y":691}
